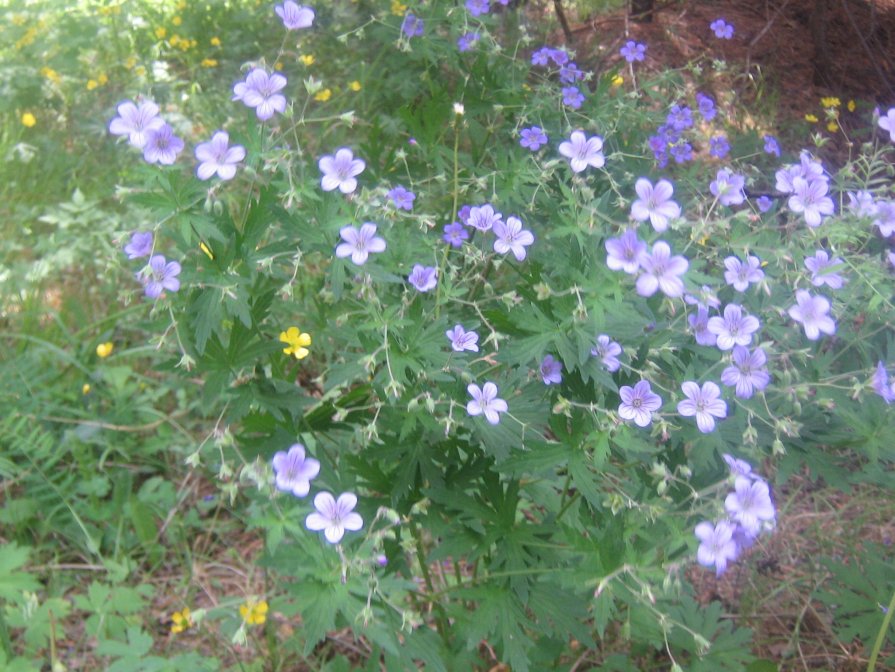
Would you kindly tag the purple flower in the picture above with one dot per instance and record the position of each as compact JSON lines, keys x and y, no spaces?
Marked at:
{"x":533,"y":138}
{"x":424,"y":278}
{"x":511,"y":237}
{"x":140,"y":245}
{"x":261,"y":91}
{"x":412,"y":26}
{"x":633,"y":51}
{"x":738,"y":467}
{"x":217,"y":157}
{"x":748,"y":372}
{"x":884,"y":218}
{"x":706,"y":105}
{"x":359,"y":243}
{"x":717,"y":546}
{"x":771,"y":145}
{"x":162,"y":146}
{"x":541,"y":56}
{"x":550,"y":371}
{"x":660,"y":271}
{"x":881,"y":385}
{"x":608,"y":351}
{"x":861,"y":203}
{"x":810,"y":198}
{"x":699,"y":324}
{"x":638,"y":403}
{"x":158,"y":276}
{"x":559,"y":57}
{"x":483,"y":217}
{"x":704,"y":403}
{"x":822,"y":270}
{"x":467,"y":41}
{"x":707,"y":297}
{"x":136,"y":122}
{"x":624,"y":252}
{"x":462,"y":340}
{"x":764,"y":203}
{"x":334,"y":516}
{"x":401,"y":198}
{"x":463,"y":214}
{"x":735,"y":328}
{"x":740,"y":275}
{"x":340,"y":171}
{"x":682,"y":152}
{"x":570,"y":73}
{"x":722,"y":29}
{"x":583,"y":152}
{"x":478,"y":7}
{"x":654,"y":203}
{"x":485,"y":400}
{"x":812,"y":311}
{"x":750,"y":504}
{"x":728,"y":188}
{"x":295,"y":16}
{"x":294,"y":470}
{"x":887,"y":123}
{"x":808,"y":169}
{"x":719,"y":147}
{"x":454,"y":234}
{"x":679,"y":117}
{"x":572,"y":97}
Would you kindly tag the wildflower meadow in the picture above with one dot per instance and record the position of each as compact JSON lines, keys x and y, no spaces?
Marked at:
{"x":388,"y":335}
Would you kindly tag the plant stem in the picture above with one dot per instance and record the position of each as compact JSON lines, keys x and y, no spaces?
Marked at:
{"x":881,"y":635}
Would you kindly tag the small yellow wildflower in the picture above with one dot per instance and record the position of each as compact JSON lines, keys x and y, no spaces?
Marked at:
{"x":215,"y":41}
{"x":297,"y":341}
{"x":102,"y":79}
{"x":28,"y":120}
{"x":324,"y":95}
{"x":811,"y":119}
{"x":618,"y":80}
{"x":85,"y":388}
{"x":181,"y":621}
{"x":92,"y":84}
{"x":209,"y":63}
{"x":175,"y":40}
{"x":307,"y":59}
{"x":194,"y":43}
{"x":176,"y":20}
{"x":832,"y":126}
{"x":851,"y":106}
{"x":252,"y":612}
{"x":51,"y":74}
{"x":130,"y":62}
{"x":278,"y":66}
{"x":160,"y":32}
{"x":398,"y":8}
{"x":354,"y":86}
{"x":103,"y":350}
{"x":140,"y":71}
{"x":830,"y":101}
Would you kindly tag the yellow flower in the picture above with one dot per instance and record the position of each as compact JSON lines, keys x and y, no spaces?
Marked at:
{"x":140,"y":71}
{"x":252,"y":612}
{"x":160,"y":33}
{"x":194,"y":43}
{"x":103,"y":350}
{"x":297,"y":341}
{"x":851,"y":106}
{"x":307,"y":59}
{"x":92,"y":84}
{"x":175,"y":40}
{"x":618,"y":80}
{"x":85,"y":388}
{"x":209,"y":62}
{"x":102,"y":79}
{"x":810,"y":118}
{"x":130,"y":62}
{"x":354,"y":86}
{"x":324,"y":95}
{"x":830,"y":101}
{"x":51,"y":74}
{"x":398,"y":8}
{"x":215,"y":41}
{"x":832,"y":126}
{"x":28,"y":120}
{"x":176,"y":20}
{"x":181,"y":621}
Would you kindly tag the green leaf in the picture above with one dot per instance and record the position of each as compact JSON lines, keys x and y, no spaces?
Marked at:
{"x":12,"y":582}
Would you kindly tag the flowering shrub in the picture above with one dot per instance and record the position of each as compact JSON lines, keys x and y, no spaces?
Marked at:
{"x":544,"y":356}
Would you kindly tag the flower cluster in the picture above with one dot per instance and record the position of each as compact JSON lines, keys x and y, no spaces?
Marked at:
{"x":673,"y":138}
{"x":808,"y":184}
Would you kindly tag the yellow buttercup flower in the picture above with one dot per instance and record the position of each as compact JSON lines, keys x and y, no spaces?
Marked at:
{"x":810,"y":118}
{"x":103,"y":350}
{"x":618,"y":80}
{"x":354,"y":86}
{"x":85,"y":388}
{"x":324,"y":95}
{"x":253,"y":612}
{"x":92,"y":84}
{"x":830,"y":101}
{"x":398,"y":8}
{"x":851,"y":106}
{"x":130,"y":62}
{"x":160,"y":33}
{"x":297,"y":341}
{"x":307,"y":59}
{"x":175,"y":40}
{"x":209,"y":63}
{"x":832,"y":126}
{"x":102,"y":79}
{"x":215,"y":41}
{"x":51,"y":74}
{"x":181,"y":621}
{"x":28,"y":120}
{"x":176,"y":20}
